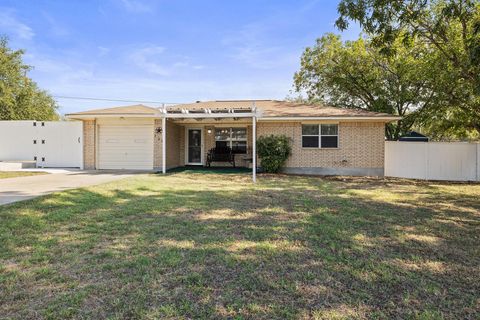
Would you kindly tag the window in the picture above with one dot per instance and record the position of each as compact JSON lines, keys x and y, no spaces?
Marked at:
{"x":320,"y":136}
{"x":235,"y":138}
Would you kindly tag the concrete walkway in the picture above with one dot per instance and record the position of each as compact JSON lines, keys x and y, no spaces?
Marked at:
{"x":22,"y":188}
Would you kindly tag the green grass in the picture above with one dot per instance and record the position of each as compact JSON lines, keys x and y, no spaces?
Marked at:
{"x":16,"y":174}
{"x":193,"y":245}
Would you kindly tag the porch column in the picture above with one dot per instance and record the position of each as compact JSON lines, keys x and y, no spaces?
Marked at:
{"x":254,"y":143}
{"x":164,"y":144}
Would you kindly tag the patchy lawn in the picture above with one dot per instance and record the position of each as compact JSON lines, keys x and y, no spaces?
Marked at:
{"x":196,"y":245}
{"x":16,"y":174}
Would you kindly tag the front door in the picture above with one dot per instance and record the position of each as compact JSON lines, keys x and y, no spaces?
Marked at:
{"x":194,"y":143}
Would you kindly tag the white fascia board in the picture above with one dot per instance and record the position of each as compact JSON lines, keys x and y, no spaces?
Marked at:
{"x":117,"y":115}
{"x":226,"y":115}
{"x":393,"y":118}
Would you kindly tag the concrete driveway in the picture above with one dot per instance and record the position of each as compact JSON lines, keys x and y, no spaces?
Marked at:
{"x":22,"y":188}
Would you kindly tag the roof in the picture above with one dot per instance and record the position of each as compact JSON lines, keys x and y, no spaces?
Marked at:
{"x":414,"y":136}
{"x":268,"y":109}
{"x":137,"y":109}
{"x":277,"y":108}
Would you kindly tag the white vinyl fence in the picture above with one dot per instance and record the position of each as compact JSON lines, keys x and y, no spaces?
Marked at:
{"x":50,"y":143}
{"x":454,"y":161}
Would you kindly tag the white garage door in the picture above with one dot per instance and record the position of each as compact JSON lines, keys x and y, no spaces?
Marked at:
{"x":125,"y":147}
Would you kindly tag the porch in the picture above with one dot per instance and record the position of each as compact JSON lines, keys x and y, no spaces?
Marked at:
{"x":190,"y":135}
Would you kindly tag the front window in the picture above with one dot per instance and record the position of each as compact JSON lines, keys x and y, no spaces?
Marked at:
{"x":235,"y":138}
{"x":320,"y":136}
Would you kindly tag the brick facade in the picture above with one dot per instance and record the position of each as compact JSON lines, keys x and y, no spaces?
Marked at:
{"x":157,"y":145}
{"x":174,"y":138}
{"x":209,"y":142}
{"x":89,"y":144}
{"x":361,"y":145}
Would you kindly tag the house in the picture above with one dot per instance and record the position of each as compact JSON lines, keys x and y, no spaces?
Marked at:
{"x":325,"y":140}
{"x":414,"y":136}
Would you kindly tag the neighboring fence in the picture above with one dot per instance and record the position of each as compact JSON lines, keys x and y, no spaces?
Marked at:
{"x":454,"y":161}
{"x":50,"y":143}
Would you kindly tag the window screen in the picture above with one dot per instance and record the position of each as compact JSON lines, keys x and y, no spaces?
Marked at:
{"x":235,"y":138}
{"x":320,"y":136}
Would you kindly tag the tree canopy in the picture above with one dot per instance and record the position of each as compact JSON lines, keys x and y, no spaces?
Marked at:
{"x":20,"y":97}
{"x":451,"y":29}
{"x":355,"y":74}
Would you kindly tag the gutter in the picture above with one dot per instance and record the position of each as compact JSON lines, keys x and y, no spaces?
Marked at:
{"x":392,"y":118}
{"x":226,"y":115}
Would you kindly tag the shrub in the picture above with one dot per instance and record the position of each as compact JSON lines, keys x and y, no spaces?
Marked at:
{"x":273,"y":151}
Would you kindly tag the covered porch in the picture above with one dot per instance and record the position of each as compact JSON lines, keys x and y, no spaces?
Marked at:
{"x":192,"y":134}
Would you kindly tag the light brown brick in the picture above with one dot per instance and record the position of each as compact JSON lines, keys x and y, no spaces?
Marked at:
{"x":89,"y":144}
{"x":361,"y":145}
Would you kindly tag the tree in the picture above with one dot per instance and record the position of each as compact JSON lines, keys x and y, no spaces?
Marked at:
{"x":20,"y":97}
{"x":356,"y":74}
{"x":451,"y":28}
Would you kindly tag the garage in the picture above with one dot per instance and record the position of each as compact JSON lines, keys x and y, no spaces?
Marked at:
{"x":125,"y":146}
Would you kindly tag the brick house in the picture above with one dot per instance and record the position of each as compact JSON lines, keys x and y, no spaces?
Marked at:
{"x":325,"y":140}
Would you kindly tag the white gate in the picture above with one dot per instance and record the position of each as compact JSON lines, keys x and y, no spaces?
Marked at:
{"x":455,"y":161}
{"x":50,"y":143}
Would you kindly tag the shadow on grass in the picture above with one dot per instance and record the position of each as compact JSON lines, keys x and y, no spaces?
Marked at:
{"x":202,"y":247}
{"x":206,"y":170}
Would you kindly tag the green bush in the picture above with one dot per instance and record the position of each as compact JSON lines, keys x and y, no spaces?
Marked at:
{"x":273,"y":151}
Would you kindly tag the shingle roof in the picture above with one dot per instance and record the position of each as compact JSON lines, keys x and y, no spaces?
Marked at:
{"x":138,"y":109}
{"x":276,"y":108}
{"x":269,"y":109}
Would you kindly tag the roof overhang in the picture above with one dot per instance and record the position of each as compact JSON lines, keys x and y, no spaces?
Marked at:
{"x":380,"y":119}
{"x":212,"y":115}
{"x":226,"y":113}
{"x":91,"y":116}
{"x":217,"y":116}
{"x":175,"y":114}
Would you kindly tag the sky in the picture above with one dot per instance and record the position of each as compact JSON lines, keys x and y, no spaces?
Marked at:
{"x":173,"y":51}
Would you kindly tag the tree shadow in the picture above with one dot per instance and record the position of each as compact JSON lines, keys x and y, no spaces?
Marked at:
{"x":292,"y":247}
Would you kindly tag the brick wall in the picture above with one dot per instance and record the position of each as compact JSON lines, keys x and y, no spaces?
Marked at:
{"x":361,"y":145}
{"x":181,"y":148}
{"x":157,"y":145}
{"x":209,"y":142}
{"x":89,"y":144}
{"x":173,"y":144}
{"x":174,"y":138}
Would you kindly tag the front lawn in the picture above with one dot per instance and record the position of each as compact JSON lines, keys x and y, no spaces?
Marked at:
{"x":199,"y":245}
{"x":16,"y":174}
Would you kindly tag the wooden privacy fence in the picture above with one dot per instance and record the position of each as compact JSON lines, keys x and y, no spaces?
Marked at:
{"x":454,"y":161}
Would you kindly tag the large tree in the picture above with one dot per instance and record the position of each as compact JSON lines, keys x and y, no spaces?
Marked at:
{"x":20,"y":97}
{"x":355,"y":74}
{"x":451,"y":28}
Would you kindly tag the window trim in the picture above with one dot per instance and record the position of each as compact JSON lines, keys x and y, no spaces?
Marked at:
{"x":230,"y":140}
{"x":320,"y":135}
